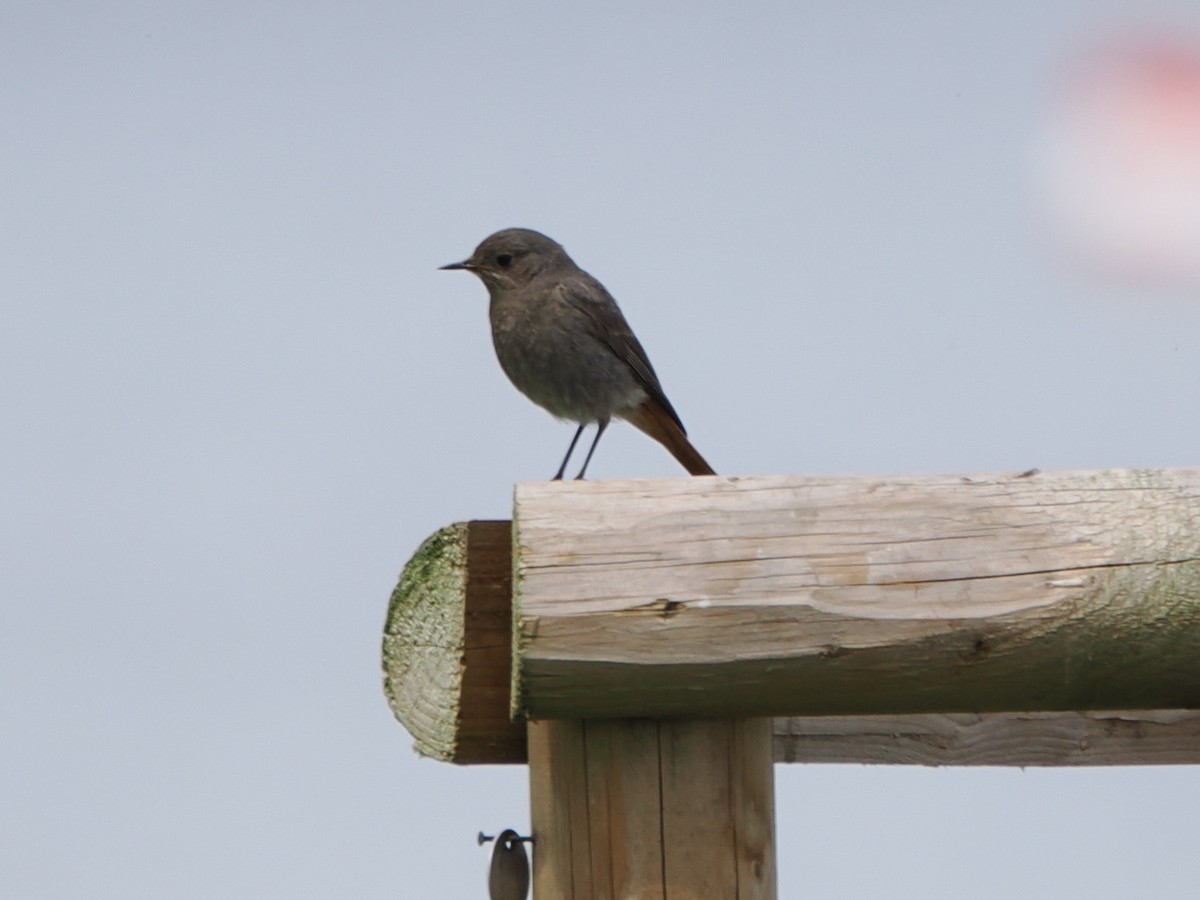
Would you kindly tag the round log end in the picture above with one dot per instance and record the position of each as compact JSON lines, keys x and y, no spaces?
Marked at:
{"x":446,"y":646}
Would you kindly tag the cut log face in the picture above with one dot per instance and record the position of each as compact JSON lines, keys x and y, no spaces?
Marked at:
{"x":447,"y":646}
{"x":788,"y":596}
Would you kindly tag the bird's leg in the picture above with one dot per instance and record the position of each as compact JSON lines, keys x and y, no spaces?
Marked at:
{"x":570,"y":450}
{"x":600,"y":426}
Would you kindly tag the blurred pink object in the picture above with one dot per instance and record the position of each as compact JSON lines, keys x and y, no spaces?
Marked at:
{"x":1121,"y":162}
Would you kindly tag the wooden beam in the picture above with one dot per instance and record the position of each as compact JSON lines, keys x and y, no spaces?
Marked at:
{"x":639,"y":808}
{"x":801,"y":596}
{"x":447,"y":646}
{"x":1099,"y":738}
{"x":446,"y":664}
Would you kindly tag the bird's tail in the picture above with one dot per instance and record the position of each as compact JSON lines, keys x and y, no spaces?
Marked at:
{"x":655,"y":421}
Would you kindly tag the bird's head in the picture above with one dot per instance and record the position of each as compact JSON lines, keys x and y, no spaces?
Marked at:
{"x":514,"y":257}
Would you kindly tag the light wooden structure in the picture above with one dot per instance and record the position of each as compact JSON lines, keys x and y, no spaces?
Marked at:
{"x":666,"y":641}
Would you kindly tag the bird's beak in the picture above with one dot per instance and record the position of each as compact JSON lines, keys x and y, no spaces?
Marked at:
{"x":465,"y":264}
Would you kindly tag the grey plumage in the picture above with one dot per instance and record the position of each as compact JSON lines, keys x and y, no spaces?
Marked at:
{"x":563,"y":342}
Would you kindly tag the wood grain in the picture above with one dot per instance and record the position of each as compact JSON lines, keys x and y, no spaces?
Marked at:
{"x":1098,"y":738}
{"x":644,"y":809}
{"x":803,"y":596}
{"x":447,"y":646}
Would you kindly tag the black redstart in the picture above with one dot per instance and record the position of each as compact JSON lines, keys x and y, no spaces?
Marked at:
{"x":561,"y":339}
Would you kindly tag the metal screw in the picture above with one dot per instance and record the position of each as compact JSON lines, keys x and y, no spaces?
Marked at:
{"x":516,"y":839}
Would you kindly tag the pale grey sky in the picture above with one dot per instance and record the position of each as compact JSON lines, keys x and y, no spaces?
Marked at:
{"x":237,"y":394}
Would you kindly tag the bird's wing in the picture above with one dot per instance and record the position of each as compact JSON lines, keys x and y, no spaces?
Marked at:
{"x":608,"y":325}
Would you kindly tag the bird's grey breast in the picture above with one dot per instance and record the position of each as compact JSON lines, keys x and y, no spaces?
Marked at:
{"x":547,"y":346}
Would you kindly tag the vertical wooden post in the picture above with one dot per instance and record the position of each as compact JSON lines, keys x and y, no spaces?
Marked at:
{"x":641,"y":808}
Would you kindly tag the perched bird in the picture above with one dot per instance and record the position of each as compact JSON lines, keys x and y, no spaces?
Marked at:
{"x":562,"y":341}
{"x":508,"y":875}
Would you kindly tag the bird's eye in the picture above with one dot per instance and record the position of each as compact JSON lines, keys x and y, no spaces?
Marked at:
{"x":504,"y":260}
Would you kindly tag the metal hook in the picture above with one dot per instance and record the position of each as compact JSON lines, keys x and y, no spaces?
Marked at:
{"x":508,"y":876}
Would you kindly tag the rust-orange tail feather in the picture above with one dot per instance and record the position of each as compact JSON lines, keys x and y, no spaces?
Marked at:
{"x":655,"y":421}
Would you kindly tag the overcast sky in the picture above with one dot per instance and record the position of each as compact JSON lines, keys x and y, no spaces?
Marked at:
{"x":237,"y":394}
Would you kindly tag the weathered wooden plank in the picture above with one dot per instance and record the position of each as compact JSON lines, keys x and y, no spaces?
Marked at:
{"x":1099,"y":738}
{"x":845,"y":596}
{"x":624,"y":798}
{"x":558,"y":800}
{"x":753,"y":803}
{"x":691,"y":753}
{"x":718,"y":811}
{"x":646,"y":809}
